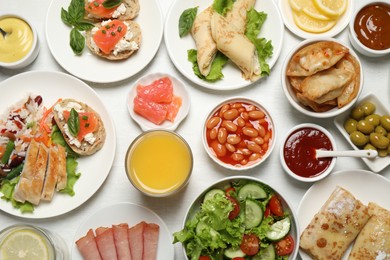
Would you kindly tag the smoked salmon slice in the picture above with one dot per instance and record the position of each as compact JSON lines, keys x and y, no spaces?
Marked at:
{"x":88,"y":123}
{"x":160,"y":91}
{"x":106,"y":245}
{"x":121,"y":241}
{"x":150,"y":238}
{"x":109,"y":35}
{"x":135,"y":235}
{"x":173,"y":108}
{"x":87,"y":246}
{"x":97,"y":9}
{"x":152,"y":111}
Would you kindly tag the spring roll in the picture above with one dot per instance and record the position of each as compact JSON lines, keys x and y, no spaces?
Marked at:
{"x":236,"y":46}
{"x":237,"y":15}
{"x":207,"y":49}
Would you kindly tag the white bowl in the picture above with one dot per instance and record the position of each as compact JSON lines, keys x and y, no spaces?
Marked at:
{"x":250,"y":164}
{"x":360,"y":47}
{"x":289,"y":92}
{"x":321,"y":176}
{"x":221,"y":184}
{"x":288,"y":19}
{"x":179,"y":89}
{"x":31,"y":55}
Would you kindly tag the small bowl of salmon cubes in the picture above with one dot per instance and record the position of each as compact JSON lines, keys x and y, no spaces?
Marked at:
{"x":158,"y":101}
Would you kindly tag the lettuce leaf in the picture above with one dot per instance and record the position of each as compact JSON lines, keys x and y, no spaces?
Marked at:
{"x":71,"y":165}
{"x":7,"y":187}
{"x":216,"y":66}
{"x":222,"y":6}
{"x":58,"y":138}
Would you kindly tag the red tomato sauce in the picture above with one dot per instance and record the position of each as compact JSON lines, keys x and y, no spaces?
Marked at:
{"x":299,"y":152}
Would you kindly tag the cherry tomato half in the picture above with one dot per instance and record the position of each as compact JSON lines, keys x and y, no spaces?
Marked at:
{"x":239,"y":258}
{"x":229,"y":190}
{"x":276,"y":206}
{"x":250,"y":244}
{"x":204,"y":257}
{"x":285,"y":246}
{"x":267,"y":212}
{"x":236,"y":210}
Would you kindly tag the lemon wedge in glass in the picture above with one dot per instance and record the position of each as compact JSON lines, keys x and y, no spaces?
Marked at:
{"x":312,"y":25}
{"x":333,"y":8}
{"x":24,"y":244}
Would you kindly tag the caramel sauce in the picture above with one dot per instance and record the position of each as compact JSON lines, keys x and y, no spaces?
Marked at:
{"x":372,"y":26}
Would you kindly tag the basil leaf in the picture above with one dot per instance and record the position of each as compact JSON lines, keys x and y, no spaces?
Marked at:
{"x":76,"y":10}
{"x":83,"y":26}
{"x":111,"y":3}
{"x":65,"y":17}
{"x":77,"y":41}
{"x":222,"y":6}
{"x":186,"y":20}
{"x":74,"y":122}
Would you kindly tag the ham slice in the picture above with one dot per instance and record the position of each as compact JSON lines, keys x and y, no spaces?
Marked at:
{"x":135,"y":235}
{"x":106,"y":245}
{"x":121,"y":241}
{"x":87,"y":246}
{"x":101,"y":230}
{"x":150,"y":238}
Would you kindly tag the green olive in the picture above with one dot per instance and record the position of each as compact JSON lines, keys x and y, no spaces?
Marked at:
{"x":365,"y":127}
{"x":374,"y":119}
{"x":358,"y":138}
{"x":385,"y":122}
{"x":379,"y":141}
{"x":381,"y":130}
{"x":382,"y":152}
{"x":369,"y":147}
{"x":368,"y":107}
{"x":357,"y":113}
{"x":350,"y":125}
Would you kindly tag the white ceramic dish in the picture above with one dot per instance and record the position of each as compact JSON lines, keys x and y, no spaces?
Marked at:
{"x":93,"y":68}
{"x":288,"y":19}
{"x":272,"y":141}
{"x":289,"y":92}
{"x":177,"y":47}
{"x":221,"y":184}
{"x":131,"y":214}
{"x":94,"y":169}
{"x":379,"y":163}
{"x":179,"y":89}
{"x":361,"y":48}
{"x":364,"y":185}
{"x":31,"y":55}
{"x":290,"y":172}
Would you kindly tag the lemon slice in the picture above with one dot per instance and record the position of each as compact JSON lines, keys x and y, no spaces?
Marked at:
{"x":24,"y":244}
{"x":333,"y":8}
{"x":312,"y":25}
{"x":311,"y":10}
{"x":298,"y":5}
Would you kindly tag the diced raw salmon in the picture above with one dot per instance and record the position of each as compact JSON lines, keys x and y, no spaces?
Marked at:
{"x":150,"y":237}
{"x":106,"y":245}
{"x":109,"y":35}
{"x":173,"y":108}
{"x":121,"y":241}
{"x":152,"y":111}
{"x":135,"y":235}
{"x":160,"y":91}
{"x":87,"y":246}
{"x":97,"y":9}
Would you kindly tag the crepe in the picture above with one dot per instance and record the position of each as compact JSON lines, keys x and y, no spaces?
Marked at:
{"x":373,"y":241}
{"x":205,"y":45}
{"x":237,"y":16}
{"x":335,"y":226}
{"x":236,"y":46}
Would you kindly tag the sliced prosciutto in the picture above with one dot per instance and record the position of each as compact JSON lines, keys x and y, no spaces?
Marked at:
{"x":106,"y":245}
{"x":87,"y":246}
{"x":121,"y":241}
{"x":160,"y":91}
{"x":135,"y":235}
{"x":150,"y":238}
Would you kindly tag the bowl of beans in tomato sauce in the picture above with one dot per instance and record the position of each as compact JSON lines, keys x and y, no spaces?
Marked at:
{"x":298,"y":152}
{"x":239,"y":133}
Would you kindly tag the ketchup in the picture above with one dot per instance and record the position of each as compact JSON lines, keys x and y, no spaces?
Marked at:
{"x":372,"y":26}
{"x":300,"y":155}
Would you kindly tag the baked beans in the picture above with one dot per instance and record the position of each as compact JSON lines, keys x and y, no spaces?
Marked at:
{"x":239,"y":133}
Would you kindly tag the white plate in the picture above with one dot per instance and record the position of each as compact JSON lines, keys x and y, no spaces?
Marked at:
{"x":288,"y":19}
{"x":93,"y":68}
{"x":379,"y":163}
{"x":272,"y":29}
{"x":364,"y":185}
{"x":179,"y":89}
{"x":131,"y":214}
{"x":95,"y":168}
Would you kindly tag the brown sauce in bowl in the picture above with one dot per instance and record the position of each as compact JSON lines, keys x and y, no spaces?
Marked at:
{"x":372,"y":26}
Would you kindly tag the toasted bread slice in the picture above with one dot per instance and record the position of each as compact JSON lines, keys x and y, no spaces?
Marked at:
{"x":136,"y":38}
{"x":132,"y":11}
{"x":81,"y":147}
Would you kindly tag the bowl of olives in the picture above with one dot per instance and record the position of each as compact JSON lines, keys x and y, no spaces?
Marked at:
{"x":367,"y":126}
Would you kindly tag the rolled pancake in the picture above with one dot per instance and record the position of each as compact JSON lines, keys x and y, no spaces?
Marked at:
{"x":236,"y":46}
{"x":205,"y":45}
{"x":237,"y":16}
{"x":373,"y":241}
{"x":335,"y":226}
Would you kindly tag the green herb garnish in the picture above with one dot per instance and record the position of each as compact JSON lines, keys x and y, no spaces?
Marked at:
{"x":111,"y":3}
{"x":74,"y":122}
{"x":186,"y":20}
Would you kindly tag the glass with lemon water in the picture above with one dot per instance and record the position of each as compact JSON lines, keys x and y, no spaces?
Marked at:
{"x":31,"y":243}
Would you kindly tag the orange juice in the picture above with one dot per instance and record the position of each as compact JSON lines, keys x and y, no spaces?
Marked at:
{"x":159,"y":162}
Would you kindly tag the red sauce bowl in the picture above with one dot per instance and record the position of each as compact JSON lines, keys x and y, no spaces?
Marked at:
{"x":298,"y":152}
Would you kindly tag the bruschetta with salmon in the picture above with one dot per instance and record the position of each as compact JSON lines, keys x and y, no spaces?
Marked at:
{"x":98,"y":10}
{"x":114,"y":39}
{"x":81,"y":126}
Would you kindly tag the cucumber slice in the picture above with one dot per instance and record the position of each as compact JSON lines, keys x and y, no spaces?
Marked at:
{"x":267,"y":253}
{"x":279,"y":229}
{"x":253,"y":214}
{"x":233,"y":252}
{"x":251,"y":190}
{"x":211,"y":193}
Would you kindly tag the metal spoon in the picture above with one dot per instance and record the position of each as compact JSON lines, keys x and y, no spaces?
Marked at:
{"x":4,"y":33}
{"x":353,"y":153}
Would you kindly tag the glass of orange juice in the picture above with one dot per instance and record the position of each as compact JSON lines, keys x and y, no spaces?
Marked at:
{"x":159,"y":163}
